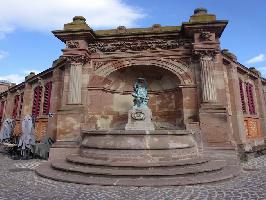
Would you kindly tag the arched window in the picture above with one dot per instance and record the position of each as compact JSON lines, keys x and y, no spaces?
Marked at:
{"x":37,"y":97}
{"x":250,"y":96}
{"x":47,"y":97}
{"x":15,"y":107}
{"x":2,"y":107}
{"x":21,"y":103}
{"x":242,"y":96}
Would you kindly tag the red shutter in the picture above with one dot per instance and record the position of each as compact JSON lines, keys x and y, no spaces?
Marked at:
{"x":47,"y":97}
{"x":2,"y":106}
{"x":242,"y":97}
{"x":21,"y":103}
{"x":37,"y":101}
{"x":15,"y":107}
{"x":251,"y":105}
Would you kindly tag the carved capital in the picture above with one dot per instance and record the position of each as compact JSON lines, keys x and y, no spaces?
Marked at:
{"x":205,"y":54}
{"x":77,"y":59}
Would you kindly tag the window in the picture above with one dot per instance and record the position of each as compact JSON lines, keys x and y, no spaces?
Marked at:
{"x":15,"y":107}
{"x":250,"y":97}
{"x":37,"y":97}
{"x":21,"y":103}
{"x":2,"y":106}
{"x":242,"y":97}
{"x":47,"y":97}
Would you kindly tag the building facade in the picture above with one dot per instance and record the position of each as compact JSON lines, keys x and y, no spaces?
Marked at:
{"x":192,"y":84}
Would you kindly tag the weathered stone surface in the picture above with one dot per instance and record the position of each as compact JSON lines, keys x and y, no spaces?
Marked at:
{"x":140,"y":119}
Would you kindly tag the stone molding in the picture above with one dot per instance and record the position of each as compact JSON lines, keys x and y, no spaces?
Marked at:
{"x":136,"y":45}
{"x":104,"y":68}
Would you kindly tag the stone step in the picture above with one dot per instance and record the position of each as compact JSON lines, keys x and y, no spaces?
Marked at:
{"x":212,"y":165}
{"x":123,"y":155}
{"x":131,"y":162}
{"x":45,"y":170}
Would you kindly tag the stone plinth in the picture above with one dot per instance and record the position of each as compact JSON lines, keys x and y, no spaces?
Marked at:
{"x":140,"y":119}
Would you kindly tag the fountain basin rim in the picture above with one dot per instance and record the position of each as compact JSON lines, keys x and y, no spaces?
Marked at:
{"x":136,"y":132}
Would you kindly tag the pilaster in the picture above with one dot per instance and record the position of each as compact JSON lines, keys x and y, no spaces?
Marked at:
{"x":209,"y":94}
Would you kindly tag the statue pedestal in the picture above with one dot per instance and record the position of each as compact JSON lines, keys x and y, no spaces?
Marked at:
{"x":140,"y":119}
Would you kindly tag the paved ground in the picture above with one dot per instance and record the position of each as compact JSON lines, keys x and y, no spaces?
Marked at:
{"x":18,"y":181}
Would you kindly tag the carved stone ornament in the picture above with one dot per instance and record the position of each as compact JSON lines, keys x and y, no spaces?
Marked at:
{"x":135,"y":45}
{"x":77,"y":59}
{"x":185,"y":61}
{"x":206,"y":36}
{"x":206,"y":52}
{"x":98,"y":64}
{"x":72,"y":44}
{"x":138,"y":115}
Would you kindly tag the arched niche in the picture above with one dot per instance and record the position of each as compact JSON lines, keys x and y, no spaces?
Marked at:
{"x":182,"y":71}
{"x":110,"y":95}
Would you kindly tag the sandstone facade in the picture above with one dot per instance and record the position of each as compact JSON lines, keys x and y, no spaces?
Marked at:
{"x":192,"y":84}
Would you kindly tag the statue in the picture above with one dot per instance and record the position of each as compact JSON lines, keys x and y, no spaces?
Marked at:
{"x":140,"y":94}
{"x":140,"y":116}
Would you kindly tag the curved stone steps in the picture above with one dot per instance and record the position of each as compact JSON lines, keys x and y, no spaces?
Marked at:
{"x":105,"y":154}
{"x":135,"y":163}
{"x":45,"y":170}
{"x":212,"y":165}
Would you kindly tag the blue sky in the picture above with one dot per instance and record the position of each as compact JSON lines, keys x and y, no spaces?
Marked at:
{"x":27,"y":44}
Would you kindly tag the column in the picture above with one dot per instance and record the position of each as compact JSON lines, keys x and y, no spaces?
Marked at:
{"x":208,"y":85}
{"x":75,"y":82}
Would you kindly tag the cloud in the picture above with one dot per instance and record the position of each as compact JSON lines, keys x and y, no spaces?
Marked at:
{"x":19,"y":77}
{"x":3,"y":54}
{"x":256,"y":59}
{"x":262,"y":70}
{"x":47,"y":15}
{"x":13,"y":78}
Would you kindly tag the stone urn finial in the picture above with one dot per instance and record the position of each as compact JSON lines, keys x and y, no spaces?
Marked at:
{"x":202,"y":15}
{"x":79,"y":19}
{"x":199,"y":11}
{"x":78,"y":23}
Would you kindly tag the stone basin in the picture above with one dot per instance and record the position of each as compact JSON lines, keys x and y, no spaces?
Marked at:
{"x":138,"y":140}
{"x":137,"y":145}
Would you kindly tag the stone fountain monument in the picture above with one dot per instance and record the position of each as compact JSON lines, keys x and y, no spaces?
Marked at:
{"x":139,"y":155}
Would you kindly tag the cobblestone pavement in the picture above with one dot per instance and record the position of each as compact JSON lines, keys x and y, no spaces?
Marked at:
{"x":18,"y":181}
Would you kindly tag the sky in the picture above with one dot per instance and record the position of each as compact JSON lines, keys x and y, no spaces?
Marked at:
{"x":27,"y":44}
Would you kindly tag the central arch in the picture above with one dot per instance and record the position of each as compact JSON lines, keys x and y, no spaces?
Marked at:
{"x":182,"y":71}
{"x":112,"y":80}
